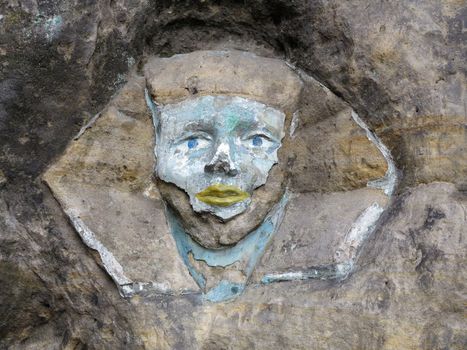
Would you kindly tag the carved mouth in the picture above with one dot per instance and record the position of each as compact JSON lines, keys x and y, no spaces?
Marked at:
{"x":222,"y":195}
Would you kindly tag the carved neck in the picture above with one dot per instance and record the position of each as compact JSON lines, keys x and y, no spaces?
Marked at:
{"x":222,"y":273}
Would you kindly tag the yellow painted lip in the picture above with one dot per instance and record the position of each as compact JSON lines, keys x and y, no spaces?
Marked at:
{"x":222,"y":195}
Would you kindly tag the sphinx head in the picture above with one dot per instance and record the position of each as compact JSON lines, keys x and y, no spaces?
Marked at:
{"x":216,"y":147}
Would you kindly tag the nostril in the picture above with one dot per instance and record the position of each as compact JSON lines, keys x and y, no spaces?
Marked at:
{"x":209,"y":168}
{"x":221,"y":162}
{"x":221,"y":166}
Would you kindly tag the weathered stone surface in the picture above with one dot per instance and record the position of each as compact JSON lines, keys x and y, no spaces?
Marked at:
{"x":400,"y":65}
{"x":333,"y":155}
{"x":311,"y":234}
{"x":232,"y":72}
{"x":104,"y":183}
{"x":412,"y":275}
{"x":104,"y":179}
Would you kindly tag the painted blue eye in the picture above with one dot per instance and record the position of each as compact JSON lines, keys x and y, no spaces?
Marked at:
{"x":257,"y":141}
{"x":192,"y":143}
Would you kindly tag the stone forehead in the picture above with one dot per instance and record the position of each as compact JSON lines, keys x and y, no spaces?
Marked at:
{"x":219,"y":106}
{"x":267,"y":80}
{"x":227,"y":112}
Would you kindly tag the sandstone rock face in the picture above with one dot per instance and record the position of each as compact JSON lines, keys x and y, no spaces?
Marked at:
{"x":399,"y":65}
{"x":103,"y":182}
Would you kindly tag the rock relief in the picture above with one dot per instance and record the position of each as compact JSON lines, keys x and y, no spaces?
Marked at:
{"x":215,"y":170}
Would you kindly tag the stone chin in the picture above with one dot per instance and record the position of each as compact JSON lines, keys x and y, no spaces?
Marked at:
{"x":211,"y":231}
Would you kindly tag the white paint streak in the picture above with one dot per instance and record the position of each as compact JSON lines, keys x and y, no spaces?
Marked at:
{"x":305,"y":77}
{"x":288,"y":276}
{"x":294,"y":124}
{"x":388,"y":182}
{"x":151,"y":192}
{"x":343,"y":269}
{"x":111,"y":265}
{"x":140,"y":287}
{"x":358,"y":233}
{"x":87,"y":126}
{"x":331,"y":272}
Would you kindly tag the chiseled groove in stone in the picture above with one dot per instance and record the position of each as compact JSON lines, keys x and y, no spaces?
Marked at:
{"x":149,"y":289}
{"x":126,"y":286}
{"x":361,"y":229}
{"x":111,"y":265}
{"x":87,"y":126}
{"x":154,"y":111}
{"x":294,"y":123}
{"x":388,"y":182}
{"x":335,"y":271}
{"x":304,"y":76}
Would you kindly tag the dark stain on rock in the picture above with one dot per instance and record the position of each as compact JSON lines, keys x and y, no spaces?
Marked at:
{"x":429,"y":255}
{"x":433,"y":216}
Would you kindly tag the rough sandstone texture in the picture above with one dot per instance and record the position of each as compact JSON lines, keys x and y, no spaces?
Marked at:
{"x":400,"y":65}
{"x":105,"y":178}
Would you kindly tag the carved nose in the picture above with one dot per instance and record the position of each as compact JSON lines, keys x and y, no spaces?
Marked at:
{"x":221,"y":162}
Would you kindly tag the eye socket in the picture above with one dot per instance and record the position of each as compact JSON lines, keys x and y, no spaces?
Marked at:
{"x":195,"y":142}
{"x":259,"y":141}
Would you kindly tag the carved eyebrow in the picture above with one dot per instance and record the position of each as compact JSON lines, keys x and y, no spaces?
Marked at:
{"x":200,"y":125}
{"x":246,"y":125}
{"x":262,"y":131}
{"x":186,"y":135}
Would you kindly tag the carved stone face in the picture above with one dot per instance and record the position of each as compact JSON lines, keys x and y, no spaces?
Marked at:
{"x":218,"y":149}
{"x":219,"y":119}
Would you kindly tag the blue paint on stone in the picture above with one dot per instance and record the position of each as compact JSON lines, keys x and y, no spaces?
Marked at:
{"x":192,"y":143}
{"x":183,"y":247}
{"x":249,"y":249}
{"x":257,"y":141}
{"x":224,"y":291}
